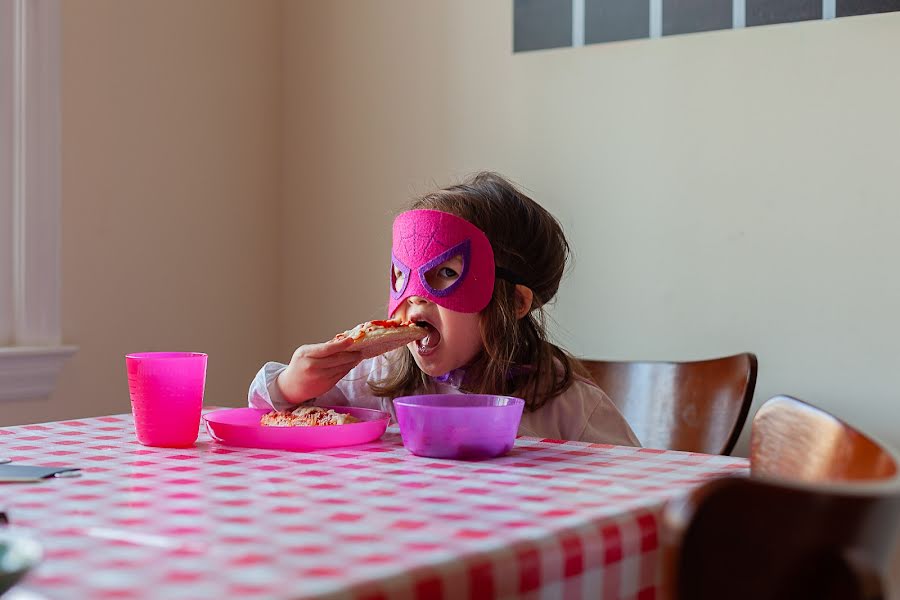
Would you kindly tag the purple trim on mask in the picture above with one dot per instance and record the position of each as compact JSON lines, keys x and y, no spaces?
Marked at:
{"x":396,"y":262}
{"x":463,"y":249}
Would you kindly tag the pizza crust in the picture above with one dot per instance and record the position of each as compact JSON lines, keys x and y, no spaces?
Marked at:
{"x":377,"y":337}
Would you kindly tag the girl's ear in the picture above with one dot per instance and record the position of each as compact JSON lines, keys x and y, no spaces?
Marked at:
{"x":524,"y":298}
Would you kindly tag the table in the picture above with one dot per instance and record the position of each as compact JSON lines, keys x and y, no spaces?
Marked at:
{"x":551,"y":519}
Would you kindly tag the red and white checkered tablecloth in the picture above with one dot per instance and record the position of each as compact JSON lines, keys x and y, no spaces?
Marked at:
{"x":549,"y":520}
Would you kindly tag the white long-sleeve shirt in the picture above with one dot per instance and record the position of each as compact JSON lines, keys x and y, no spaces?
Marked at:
{"x":583,"y":412}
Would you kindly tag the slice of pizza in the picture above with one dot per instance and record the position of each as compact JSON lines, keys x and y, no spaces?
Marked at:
{"x":306,"y":416}
{"x":377,"y":337}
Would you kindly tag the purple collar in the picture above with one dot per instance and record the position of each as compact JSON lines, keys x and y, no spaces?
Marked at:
{"x":454,"y":377}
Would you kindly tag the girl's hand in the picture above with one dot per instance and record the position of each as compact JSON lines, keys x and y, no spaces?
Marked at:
{"x":316,"y":368}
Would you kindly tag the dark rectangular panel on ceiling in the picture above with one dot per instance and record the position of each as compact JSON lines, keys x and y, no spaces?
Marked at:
{"x":614,"y":20}
{"x":848,"y":8}
{"x":539,"y":24}
{"x":690,"y":16}
{"x":769,"y":12}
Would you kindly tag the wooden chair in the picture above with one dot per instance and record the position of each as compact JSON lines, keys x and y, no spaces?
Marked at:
{"x":816,"y":519}
{"x":697,"y":406}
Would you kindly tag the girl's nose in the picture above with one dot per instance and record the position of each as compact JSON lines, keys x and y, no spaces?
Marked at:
{"x":417,"y":300}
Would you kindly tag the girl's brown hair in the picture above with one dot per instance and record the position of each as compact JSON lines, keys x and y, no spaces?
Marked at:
{"x":528,"y":241}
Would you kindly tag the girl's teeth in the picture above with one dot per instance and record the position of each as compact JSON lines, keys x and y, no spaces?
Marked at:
{"x":431,"y":340}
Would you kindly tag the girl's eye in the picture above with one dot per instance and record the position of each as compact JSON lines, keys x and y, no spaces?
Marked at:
{"x":398,"y":279}
{"x":445,"y":274}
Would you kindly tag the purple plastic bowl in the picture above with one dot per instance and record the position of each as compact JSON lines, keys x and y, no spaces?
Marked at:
{"x":461,"y":426}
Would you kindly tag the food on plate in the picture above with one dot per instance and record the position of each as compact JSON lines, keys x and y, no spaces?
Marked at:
{"x":306,"y":416}
{"x":377,"y":337}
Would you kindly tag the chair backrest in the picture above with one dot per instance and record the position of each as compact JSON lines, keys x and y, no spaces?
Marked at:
{"x":697,"y":406}
{"x":791,"y":439}
{"x":789,"y":531}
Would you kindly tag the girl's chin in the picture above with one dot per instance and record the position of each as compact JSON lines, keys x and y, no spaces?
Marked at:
{"x":428,"y":367}
{"x":429,"y":364}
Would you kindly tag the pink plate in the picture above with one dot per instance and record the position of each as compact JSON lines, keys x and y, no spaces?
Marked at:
{"x":240,"y":427}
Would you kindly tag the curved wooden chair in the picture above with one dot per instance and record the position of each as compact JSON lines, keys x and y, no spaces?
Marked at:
{"x":795,"y":441}
{"x":696,"y":406}
{"x":816,"y":519}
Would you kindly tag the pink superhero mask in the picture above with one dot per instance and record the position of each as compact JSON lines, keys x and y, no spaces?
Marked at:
{"x":426,"y":239}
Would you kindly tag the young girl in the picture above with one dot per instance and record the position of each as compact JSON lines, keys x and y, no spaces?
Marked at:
{"x":477,"y":263}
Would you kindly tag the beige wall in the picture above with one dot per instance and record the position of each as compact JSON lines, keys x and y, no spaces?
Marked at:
{"x":171,"y":189}
{"x":723,"y":192}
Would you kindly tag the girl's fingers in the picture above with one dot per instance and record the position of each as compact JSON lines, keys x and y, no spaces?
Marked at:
{"x":327,"y":348}
{"x":341,"y":359}
{"x":335,"y":374}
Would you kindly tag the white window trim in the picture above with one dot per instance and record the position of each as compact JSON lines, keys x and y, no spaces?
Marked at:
{"x":30,"y":373}
{"x":30,"y":366}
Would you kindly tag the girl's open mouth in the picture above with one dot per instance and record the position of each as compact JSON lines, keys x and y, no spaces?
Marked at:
{"x":427,"y":344}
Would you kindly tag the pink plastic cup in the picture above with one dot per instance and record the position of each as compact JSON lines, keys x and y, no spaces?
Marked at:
{"x":166,"y":396}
